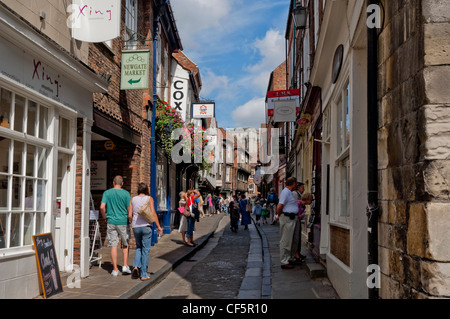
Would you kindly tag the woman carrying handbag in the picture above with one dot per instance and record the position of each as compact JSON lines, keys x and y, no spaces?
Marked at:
{"x":144,"y":216}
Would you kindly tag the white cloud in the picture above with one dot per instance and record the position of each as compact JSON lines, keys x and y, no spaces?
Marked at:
{"x":271,"y":48}
{"x":219,"y":86}
{"x":251,"y":114}
{"x":199,"y":16}
{"x":236,"y":44}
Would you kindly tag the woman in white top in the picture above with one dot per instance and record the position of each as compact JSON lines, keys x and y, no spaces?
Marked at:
{"x":142,"y":231}
{"x":183,"y":220}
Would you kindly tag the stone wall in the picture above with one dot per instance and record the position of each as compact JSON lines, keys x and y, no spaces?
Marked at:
{"x":414,"y":149}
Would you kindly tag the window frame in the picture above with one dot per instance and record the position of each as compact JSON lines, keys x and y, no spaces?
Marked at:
{"x":39,"y":217}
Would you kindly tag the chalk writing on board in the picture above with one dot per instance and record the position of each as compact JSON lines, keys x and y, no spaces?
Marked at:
{"x":47,"y":264}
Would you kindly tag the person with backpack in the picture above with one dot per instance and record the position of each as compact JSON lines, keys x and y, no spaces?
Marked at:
{"x":272,"y":202}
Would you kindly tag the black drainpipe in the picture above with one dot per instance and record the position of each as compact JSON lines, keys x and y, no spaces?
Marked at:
{"x":372,"y":144}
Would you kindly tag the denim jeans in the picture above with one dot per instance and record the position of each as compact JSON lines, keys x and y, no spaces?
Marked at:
{"x":190,"y":229}
{"x":143,"y":236}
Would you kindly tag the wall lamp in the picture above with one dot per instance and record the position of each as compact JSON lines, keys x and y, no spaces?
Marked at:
{"x":300,"y":14}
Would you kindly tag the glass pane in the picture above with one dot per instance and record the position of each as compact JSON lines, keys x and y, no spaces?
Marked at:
{"x":40,"y":223}
{"x":40,"y":196}
{"x":31,"y":118}
{"x":30,"y":160}
{"x":3,"y":231}
{"x":28,"y":228}
{"x":15,"y":230}
{"x":4,"y":154}
{"x":17,"y":194}
{"x":3,"y":192}
{"x":17,"y":158}
{"x":5,"y":108}
{"x":19,"y":113}
{"x":42,"y":162}
{"x":43,"y":122}
{"x":345,"y":187}
{"x":347,"y":116}
{"x":340,"y":125}
{"x":29,"y":194}
{"x":64,"y":132}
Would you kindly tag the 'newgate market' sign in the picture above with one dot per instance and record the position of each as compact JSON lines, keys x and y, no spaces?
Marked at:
{"x":135,"y":70}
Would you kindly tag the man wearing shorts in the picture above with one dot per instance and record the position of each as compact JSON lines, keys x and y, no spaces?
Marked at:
{"x":116,"y":209}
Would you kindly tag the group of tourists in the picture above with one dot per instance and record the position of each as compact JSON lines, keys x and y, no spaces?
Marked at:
{"x":290,"y":211}
{"x":121,"y":211}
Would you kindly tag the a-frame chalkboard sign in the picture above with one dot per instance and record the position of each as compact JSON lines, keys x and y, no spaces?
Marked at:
{"x":47,"y":264}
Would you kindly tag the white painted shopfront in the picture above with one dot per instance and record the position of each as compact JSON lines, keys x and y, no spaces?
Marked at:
{"x":44,"y":92}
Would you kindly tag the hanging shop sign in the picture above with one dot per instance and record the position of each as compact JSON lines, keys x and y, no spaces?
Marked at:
{"x":135,"y":70}
{"x":94,"y":20}
{"x":203,"y":110}
{"x":283,"y":95}
{"x":285,"y":111}
{"x":304,"y":123}
{"x":179,"y":96}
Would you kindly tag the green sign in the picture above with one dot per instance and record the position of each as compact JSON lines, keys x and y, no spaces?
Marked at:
{"x":135,"y":70}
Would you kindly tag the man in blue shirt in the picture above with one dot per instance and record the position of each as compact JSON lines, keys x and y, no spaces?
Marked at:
{"x":287,"y":210}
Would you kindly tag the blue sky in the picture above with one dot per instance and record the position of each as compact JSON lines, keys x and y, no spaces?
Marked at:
{"x":236,"y":45}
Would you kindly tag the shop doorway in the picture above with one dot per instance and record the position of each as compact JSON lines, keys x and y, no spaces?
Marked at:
{"x":63,"y":217}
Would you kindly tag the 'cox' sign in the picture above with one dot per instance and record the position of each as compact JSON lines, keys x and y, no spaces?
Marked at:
{"x":179,"y":95}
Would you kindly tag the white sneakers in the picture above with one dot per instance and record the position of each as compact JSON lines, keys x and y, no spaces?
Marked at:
{"x":115,"y":273}
{"x":125,"y":271}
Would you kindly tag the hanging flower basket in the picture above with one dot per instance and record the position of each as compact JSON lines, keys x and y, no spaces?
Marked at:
{"x":167,"y":120}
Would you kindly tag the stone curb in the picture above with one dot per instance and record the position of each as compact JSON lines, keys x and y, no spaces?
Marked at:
{"x":157,"y":277}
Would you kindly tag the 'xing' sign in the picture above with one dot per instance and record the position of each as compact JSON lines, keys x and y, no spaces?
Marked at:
{"x":135,"y":70}
{"x":94,"y":20}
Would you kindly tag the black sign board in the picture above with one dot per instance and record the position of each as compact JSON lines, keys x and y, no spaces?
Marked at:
{"x":47,"y":263}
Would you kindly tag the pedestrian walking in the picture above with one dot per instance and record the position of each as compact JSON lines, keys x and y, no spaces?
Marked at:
{"x":234,"y":213}
{"x":287,"y":212}
{"x":116,"y":210}
{"x":272,"y":201}
{"x":226,"y":205}
{"x":257,"y":210}
{"x":245,"y":210}
{"x":305,"y":200}
{"x":192,"y":205}
{"x":183,"y":220}
{"x":264,"y":214}
{"x":297,"y":239}
{"x":210,"y":205}
{"x":200,"y":206}
{"x":142,"y":231}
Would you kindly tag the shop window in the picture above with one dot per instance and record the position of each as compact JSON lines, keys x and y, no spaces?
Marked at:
{"x":343,"y":125}
{"x":161,"y":181}
{"x":23,"y":170}
{"x":342,"y":161}
{"x":131,"y":13}
{"x":342,"y":188}
{"x":64,"y":133}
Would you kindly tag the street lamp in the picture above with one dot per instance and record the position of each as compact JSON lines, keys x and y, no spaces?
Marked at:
{"x":299,"y":14}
